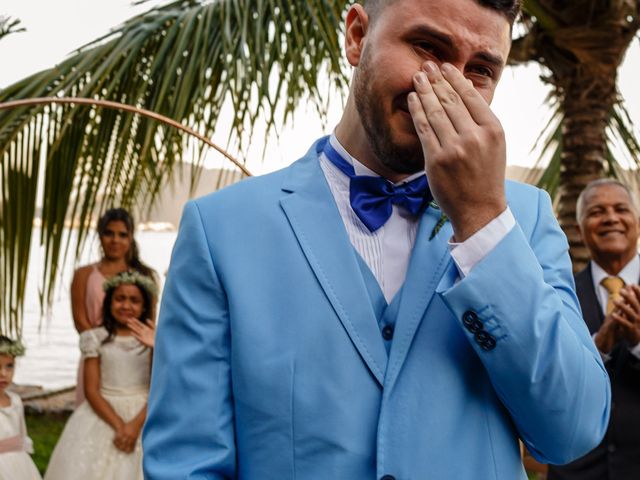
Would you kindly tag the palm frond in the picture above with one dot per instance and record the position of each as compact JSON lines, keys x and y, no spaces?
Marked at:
{"x":9,"y":25}
{"x":545,"y":172}
{"x":622,"y":162}
{"x":186,"y":60}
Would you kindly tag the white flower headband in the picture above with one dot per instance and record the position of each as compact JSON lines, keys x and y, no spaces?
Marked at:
{"x":132,"y":278}
{"x":15,"y":348}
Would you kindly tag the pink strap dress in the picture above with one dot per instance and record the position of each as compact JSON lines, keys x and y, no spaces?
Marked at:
{"x":93,"y":296}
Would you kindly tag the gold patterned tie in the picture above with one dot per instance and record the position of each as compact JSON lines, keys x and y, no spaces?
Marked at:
{"x":613,"y":286}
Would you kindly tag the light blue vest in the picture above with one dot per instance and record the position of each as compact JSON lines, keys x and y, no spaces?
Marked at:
{"x":386,"y":313}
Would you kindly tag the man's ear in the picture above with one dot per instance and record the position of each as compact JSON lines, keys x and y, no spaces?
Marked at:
{"x":357,"y":25}
{"x":579,"y":230}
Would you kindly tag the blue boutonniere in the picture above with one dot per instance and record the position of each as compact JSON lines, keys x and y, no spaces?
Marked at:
{"x":441,"y":221}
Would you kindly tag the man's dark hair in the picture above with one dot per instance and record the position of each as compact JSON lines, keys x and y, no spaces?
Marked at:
{"x":509,"y":8}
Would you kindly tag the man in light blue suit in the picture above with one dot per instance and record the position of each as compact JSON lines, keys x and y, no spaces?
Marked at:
{"x":328,"y":321}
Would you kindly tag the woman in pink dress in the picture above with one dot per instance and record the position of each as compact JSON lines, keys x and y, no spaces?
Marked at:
{"x":119,"y":254}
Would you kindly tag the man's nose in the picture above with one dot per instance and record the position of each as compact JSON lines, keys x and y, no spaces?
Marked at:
{"x":611,"y":216}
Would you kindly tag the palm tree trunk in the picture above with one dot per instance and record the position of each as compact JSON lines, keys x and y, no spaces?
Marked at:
{"x":587,"y":102}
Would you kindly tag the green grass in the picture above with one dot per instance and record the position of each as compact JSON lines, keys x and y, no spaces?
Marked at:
{"x":44,"y":429}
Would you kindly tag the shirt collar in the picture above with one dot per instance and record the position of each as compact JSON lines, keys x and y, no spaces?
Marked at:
{"x":630,"y":273}
{"x":358,"y":167}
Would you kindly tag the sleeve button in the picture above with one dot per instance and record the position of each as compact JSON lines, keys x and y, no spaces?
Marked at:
{"x":488,"y":344}
{"x":471,"y":322}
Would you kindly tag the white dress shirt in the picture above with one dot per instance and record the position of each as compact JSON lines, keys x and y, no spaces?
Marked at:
{"x":387,"y":250}
{"x":630,"y":274}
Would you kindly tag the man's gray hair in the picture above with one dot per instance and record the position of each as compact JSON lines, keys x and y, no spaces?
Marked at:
{"x":601,"y":182}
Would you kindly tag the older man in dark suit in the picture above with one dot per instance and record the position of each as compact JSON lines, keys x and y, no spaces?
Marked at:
{"x":610,"y":299}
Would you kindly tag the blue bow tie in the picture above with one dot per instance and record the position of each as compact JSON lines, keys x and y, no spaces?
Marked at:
{"x":372,"y":198}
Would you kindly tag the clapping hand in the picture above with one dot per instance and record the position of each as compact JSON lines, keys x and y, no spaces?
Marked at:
{"x":627,"y":314}
{"x":144,"y":332}
{"x":623,"y":322}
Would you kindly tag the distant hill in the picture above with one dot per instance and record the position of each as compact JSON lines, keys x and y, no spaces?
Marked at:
{"x":168,"y":207}
{"x":522,"y":174}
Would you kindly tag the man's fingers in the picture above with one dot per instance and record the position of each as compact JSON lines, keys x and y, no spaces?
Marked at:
{"x":476,"y":106}
{"x":627,"y":310}
{"x":622,"y":321}
{"x":435,"y":114}
{"x":450,"y":97}
{"x":427,"y":136}
{"x":631,"y":297}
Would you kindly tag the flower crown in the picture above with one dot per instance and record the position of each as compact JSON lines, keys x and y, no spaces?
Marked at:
{"x":15,"y":348}
{"x":131,"y":277}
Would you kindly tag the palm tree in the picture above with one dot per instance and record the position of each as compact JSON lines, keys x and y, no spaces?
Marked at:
{"x":581,"y":44}
{"x":185,"y":60}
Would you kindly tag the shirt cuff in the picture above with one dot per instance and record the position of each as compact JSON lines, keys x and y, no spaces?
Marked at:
{"x":635,"y":351}
{"x":472,"y":251}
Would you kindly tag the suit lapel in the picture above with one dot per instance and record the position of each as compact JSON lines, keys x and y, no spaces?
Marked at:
{"x":316,"y":222}
{"x":591,"y":309}
{"x":429,"y":261}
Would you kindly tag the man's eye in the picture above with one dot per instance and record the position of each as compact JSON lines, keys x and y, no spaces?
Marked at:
{"x":481,"y":70}
{"x":426,"y":47}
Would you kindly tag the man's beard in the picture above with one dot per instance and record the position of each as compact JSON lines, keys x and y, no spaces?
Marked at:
{"x":397,"y":158}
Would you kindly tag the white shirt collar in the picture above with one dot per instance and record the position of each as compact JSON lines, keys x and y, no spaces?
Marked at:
{"x":358,"y":167}
{"x":630,"y":273}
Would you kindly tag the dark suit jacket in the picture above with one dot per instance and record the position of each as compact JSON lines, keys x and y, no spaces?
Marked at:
{"x":618,"y":456}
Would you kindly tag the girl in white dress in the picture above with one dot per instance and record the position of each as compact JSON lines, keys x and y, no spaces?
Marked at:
{"x":101,"y":440}
{"x":15,"y":445}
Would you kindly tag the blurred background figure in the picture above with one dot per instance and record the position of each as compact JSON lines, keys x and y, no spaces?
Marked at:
{"x":119,"y":254}
{"x":15,"y":445}
{"x":607,"y":288}
{"x":102,"y":437}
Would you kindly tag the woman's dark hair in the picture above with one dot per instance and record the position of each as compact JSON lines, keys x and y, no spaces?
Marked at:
{"x":133,"y":257}
{"x":110,"y":323}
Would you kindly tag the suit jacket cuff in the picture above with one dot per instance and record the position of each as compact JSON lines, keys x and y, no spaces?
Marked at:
{"x":473,"y":250}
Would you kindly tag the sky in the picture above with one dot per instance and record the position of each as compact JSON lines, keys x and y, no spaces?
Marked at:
{"x":56,"y":27}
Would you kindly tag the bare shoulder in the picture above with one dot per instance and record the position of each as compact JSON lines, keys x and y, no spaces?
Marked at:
{"x":82,"y":272}
{"x":80,"y":277}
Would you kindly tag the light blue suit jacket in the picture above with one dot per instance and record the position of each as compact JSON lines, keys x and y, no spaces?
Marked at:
{"x":270,"y":364}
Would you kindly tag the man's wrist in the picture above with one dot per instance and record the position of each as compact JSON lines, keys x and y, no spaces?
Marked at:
{"x":467,"y":225}
{"x":603,"y":343}
{"x":474,"y":249}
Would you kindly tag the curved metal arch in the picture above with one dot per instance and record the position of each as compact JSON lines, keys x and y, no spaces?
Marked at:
{"x":127,"y":108}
